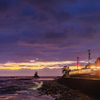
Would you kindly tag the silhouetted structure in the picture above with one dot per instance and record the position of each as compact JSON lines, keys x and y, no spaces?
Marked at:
{"x":89,"y":56}
{"x":77,"y":62}
{"x":97,"y":62}
{"x":36,"y":75}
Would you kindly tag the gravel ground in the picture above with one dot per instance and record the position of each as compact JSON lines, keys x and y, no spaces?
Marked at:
{"x":61,"y":92}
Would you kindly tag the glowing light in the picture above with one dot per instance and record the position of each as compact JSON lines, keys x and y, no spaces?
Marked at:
{"x":93,"y":67}
{"x":82,"y":71}
{"x":98,"y":67}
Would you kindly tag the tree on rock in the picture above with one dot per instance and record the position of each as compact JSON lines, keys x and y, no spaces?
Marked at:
{"x":65,"y":71}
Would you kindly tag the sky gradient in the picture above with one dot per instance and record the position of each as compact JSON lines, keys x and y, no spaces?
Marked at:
{"x":45,"y":35}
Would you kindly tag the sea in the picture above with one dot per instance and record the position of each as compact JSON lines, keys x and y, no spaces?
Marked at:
{"x":23,"y":88}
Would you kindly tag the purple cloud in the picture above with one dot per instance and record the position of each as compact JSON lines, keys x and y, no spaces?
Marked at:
{"x":48,"y":30}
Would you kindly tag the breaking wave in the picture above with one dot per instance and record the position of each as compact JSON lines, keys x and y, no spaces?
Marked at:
{"x":36,"y":85}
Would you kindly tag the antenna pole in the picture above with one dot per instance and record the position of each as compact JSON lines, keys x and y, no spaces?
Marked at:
{"x":77,"y":62}
{"x":89,"y":56}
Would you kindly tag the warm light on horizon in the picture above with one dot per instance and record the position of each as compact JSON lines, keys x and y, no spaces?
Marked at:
{"x":39,"y":65}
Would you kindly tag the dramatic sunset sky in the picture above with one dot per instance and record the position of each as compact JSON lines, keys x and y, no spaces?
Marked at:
{"x":45,"y":35}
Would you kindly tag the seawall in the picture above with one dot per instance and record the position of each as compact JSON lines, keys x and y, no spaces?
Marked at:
{"x":90,"y":87}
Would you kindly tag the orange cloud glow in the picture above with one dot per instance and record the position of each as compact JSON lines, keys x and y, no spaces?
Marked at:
{"x":38,"y":65}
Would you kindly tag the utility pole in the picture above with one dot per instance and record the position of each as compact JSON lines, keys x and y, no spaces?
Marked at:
{"x":77,"y":62}
{"x":89,"y":56}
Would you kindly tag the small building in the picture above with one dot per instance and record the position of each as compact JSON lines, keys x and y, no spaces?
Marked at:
{"x":97,"y":62}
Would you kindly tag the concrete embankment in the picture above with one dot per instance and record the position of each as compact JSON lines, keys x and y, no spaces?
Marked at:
{"x":87,"y":86}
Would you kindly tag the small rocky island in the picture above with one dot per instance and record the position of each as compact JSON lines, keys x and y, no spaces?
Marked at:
{"x":36,"y":75}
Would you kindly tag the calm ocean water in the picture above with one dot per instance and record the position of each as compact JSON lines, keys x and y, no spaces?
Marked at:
{"x":22,"y":88}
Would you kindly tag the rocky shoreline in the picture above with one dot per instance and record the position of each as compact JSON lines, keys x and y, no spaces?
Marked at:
{"x":61,"y":92}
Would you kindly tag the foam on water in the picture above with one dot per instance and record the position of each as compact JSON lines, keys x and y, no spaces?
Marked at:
{"x":25,"y":95}
{"x":22,"y":89}
{"x":37,"y":85}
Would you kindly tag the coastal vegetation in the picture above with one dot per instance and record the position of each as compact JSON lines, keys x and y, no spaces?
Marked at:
{"x":65,"y":71}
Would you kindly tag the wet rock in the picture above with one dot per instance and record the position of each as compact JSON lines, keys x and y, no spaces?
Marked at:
{"x":57,"y":91}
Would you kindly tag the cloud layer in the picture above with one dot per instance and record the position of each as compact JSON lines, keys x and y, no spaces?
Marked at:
{"x":50,"y":30}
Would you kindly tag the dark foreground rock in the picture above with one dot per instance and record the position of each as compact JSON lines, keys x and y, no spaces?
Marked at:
{"x":61,"y":92}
